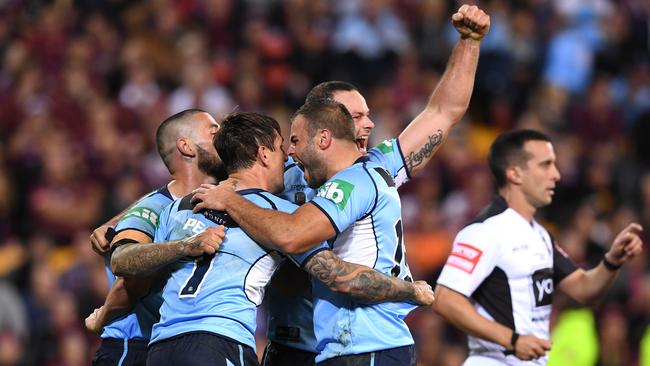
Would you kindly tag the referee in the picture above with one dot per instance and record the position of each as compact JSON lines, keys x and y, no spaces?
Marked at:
{"x":499,"y":280}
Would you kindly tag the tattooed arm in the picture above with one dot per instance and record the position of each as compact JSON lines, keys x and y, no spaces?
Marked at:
{"x":365,"y":284}
{"x":143,"y":259}
{"x":450,"y":98}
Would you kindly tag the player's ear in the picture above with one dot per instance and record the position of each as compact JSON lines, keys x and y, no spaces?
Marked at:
{"x":513,"y":174}
{"x":324,"y":138}
{"x":263,"y":155}
{"x":185,"y":147}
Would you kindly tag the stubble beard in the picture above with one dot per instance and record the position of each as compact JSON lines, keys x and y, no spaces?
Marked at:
{"x":210,"y":164}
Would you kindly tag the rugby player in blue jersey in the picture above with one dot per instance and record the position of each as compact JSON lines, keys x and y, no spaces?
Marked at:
{"x":358,"y":210}
{"x":184,"y":142}
{"x":291,"y":339}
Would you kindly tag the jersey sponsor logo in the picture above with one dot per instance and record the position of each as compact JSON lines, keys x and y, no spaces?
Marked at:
{"x":219,"y":217}
{"x":386,"y":147}
{"x":194,"y":226}
{"x":543,"y":286}
{"x":337,"y":191}
{"x":146,"y":214}
{"x":464,"y":257}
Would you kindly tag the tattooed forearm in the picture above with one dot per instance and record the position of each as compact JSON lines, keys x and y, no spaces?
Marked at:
{"x":361,"y":283}
{"x":137,"y":260}
{"x":414,"y":159}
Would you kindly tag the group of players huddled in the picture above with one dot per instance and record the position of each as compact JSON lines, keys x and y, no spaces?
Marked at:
{"x":319,"y":223}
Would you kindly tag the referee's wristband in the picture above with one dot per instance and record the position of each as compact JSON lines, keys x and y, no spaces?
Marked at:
{"x":609,"y":265}
{"x":513,"y":340}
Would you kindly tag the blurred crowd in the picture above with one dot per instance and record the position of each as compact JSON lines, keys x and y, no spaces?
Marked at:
{"x":85,"y":83}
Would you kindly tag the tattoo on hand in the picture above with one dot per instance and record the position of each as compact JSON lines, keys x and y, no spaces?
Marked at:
{"x":361,"y":283}
{"x":234,"y":184}
{"x":416,"y":158}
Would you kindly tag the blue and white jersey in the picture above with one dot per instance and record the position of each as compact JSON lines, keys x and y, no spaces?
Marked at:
{"x":143,"y":216}
{"x":364,"y":208}
{"x":219,"y":293}
{"x":387,"y":154}
{"x":290,"y":319}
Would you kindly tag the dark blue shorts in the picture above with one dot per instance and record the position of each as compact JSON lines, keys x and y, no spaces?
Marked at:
{"x":401,"y":356}
{"x":120,"y":352}
{"x":201,"y":349}
{"x":277,"y":354}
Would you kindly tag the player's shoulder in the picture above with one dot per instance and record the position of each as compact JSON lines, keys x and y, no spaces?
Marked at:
{"x":268,"y":200}
{"x":358,"y":171}
{"x":158,"y":198}
{"x":387,"y":146}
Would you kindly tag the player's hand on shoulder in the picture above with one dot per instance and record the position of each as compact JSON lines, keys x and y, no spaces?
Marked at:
{"x":210,"y":196}
{"x":92,"y":321}
{"x":99,"y":240}
{"x":626,"y":245}
{"x":206,"y":242}
{"x":529,"y":347}
{"x":423,"y":293}
{"x":471,"y":22}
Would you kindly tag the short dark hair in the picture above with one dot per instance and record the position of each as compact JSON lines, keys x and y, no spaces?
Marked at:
{"x":508,"y":150}
{"x":169,"y":131}
{"x":327,"y":114}
{"x":327,"y":89}
{"x":240,"y":136}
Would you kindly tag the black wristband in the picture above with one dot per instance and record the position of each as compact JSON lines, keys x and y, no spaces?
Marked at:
{"x":513,"y":340}
{"x":609,"y":265}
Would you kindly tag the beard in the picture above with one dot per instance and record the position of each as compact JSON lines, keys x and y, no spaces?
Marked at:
{"x":211,"y":164}
{"x":315,"y":169}
{"x":317,"y":176}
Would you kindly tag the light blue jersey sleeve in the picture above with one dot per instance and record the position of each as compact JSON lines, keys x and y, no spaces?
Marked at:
{"x":302,"y":258}
{"x":161,"y":234}
{"x":388,"y":155}
{"x":144,"y":215}
{"x":348,"y":196}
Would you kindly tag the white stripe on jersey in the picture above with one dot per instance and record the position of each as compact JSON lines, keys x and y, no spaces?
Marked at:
{"x":401,"y":177}
{"x":259,"y":275}
{"x":358,"y":244}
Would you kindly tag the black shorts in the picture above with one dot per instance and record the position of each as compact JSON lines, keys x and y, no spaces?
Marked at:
{"x":114,"y":352}
{"x":401,"y":356}
{"x":277,"y":354}
{"x":201,"y":349}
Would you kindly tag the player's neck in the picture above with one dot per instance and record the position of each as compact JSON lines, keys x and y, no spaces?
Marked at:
{"x":249,"y":179}
{"x":342,"y":158}
{"x":518,"y":202}
{"x":185,"y":181}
